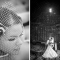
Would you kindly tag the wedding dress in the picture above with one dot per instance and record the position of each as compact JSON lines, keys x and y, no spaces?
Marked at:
{"x":50,"y":53}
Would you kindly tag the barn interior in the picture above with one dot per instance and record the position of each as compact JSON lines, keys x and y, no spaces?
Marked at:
{"x":43,"y":26}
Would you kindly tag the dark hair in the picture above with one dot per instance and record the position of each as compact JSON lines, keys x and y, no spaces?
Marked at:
{"x":8,"y":18}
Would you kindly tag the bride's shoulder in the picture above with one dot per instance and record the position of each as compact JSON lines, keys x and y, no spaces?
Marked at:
{"x":4,"y":58}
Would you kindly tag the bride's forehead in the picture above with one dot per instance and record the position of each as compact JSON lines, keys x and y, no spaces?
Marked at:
{"x":15,"y":28}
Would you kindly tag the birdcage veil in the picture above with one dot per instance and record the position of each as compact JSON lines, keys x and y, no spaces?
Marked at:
{"x":8,"y":18}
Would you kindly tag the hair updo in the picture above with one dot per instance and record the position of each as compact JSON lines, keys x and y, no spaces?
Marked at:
{"x":8,"y":18}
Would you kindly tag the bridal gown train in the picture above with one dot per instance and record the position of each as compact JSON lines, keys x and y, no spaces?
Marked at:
{"x":50,"y":53}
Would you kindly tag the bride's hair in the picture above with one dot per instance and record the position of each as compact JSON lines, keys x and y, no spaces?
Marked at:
{"x":8,"y":18}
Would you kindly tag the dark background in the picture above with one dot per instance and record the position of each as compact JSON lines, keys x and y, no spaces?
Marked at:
{"x":40,"y":29}
{"x":38,"y":6}
{"x":39,"y":19}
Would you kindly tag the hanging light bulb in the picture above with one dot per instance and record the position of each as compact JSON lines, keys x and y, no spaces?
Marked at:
{"x":50,"y":10}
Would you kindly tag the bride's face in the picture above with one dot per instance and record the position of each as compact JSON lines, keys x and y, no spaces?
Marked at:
{"x":12,"y":40}
{"x":24,"y":52}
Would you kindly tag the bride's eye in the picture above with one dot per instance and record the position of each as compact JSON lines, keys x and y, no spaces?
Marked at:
{"x":12,"y":39}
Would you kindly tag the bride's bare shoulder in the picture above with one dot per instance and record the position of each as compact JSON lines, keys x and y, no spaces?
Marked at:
{"x":4,"y":58}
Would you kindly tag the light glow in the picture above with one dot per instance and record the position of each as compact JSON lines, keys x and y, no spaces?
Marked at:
{"x":50,"y":10}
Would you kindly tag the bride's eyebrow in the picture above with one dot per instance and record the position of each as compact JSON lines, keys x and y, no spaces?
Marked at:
{"x":13,"y":36}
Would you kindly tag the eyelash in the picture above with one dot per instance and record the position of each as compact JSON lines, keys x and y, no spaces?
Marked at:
{"x":21,"y":34}
{"x":12,"y":39}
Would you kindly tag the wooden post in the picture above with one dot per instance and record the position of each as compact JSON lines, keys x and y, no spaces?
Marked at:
{"x":55,"y":46}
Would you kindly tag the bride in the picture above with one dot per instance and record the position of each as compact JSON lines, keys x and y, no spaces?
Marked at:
{"x":50,"y":53}
{"x":12,"y":39}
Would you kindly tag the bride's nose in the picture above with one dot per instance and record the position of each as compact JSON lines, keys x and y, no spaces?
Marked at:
{"x":19,"y":41}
